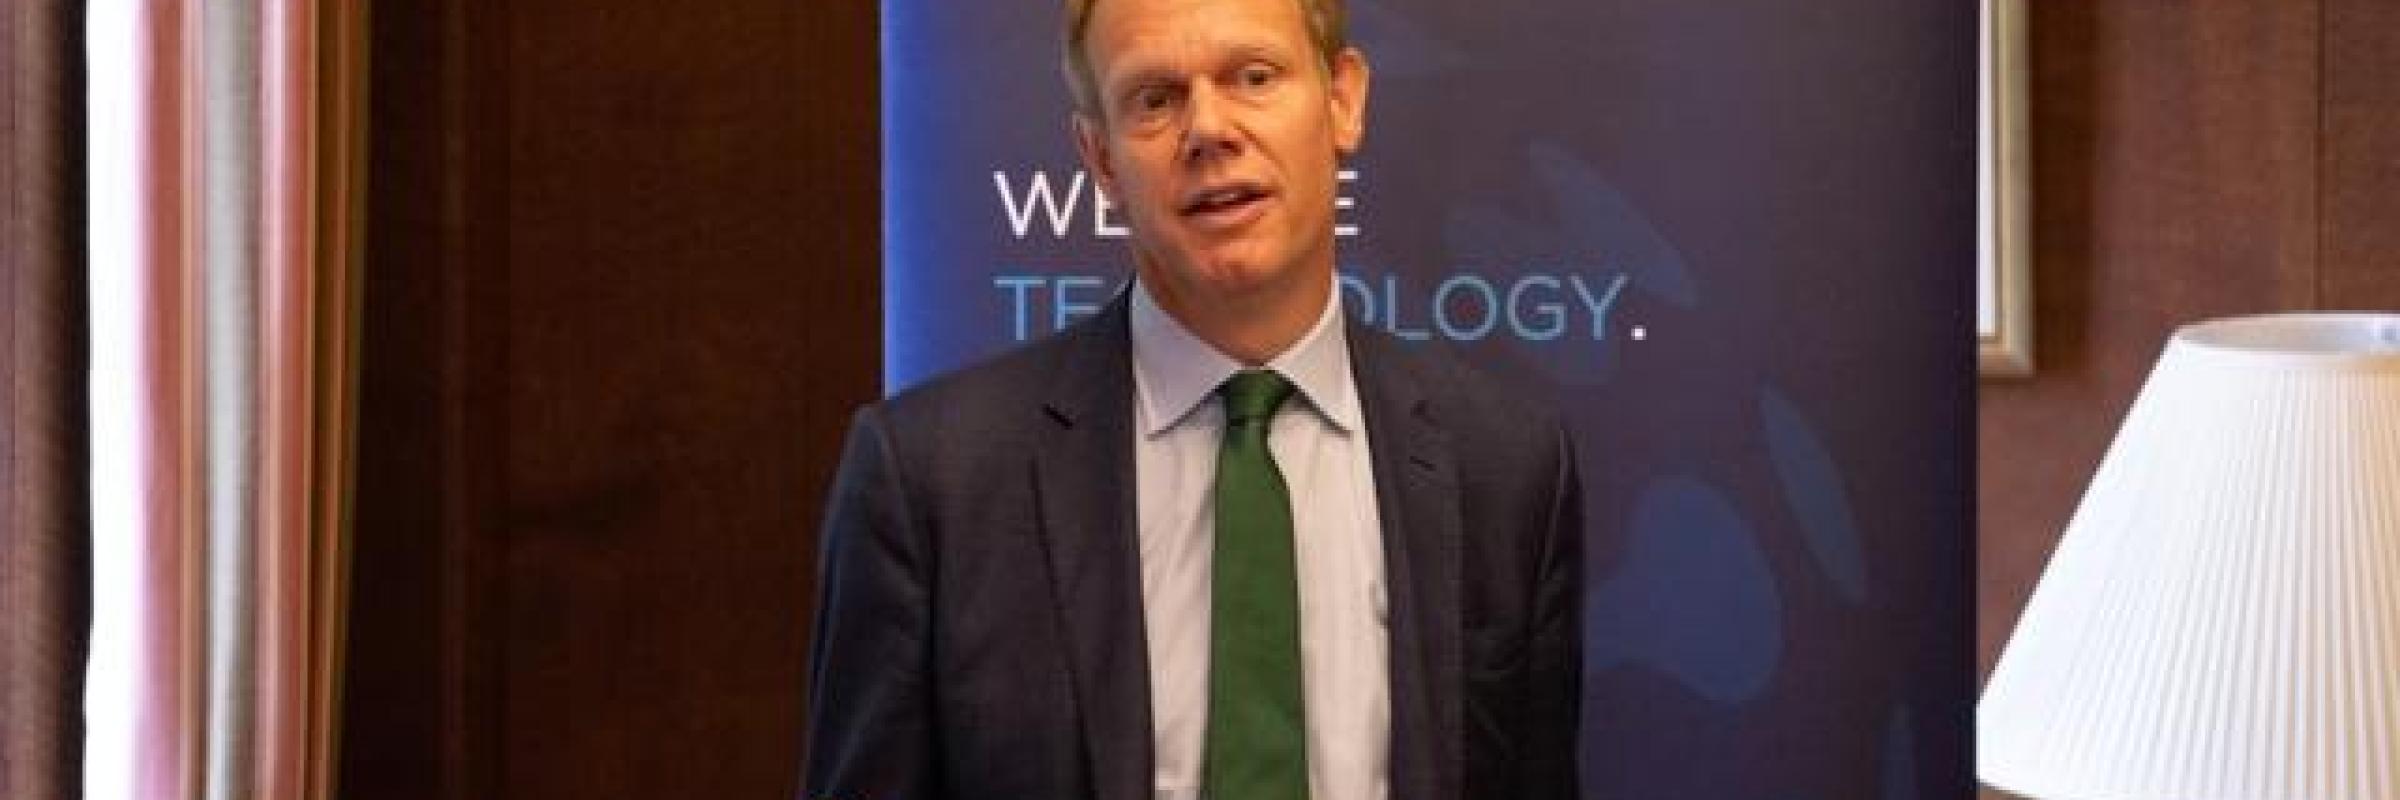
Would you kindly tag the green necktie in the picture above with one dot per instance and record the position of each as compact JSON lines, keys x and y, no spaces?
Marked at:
{"x":1257,"y":745}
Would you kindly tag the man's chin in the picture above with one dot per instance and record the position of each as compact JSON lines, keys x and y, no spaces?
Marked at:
{"x":1237,"y":277}
{"x":1228,"y":269}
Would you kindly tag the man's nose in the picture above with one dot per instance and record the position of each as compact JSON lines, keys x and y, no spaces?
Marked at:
{"x":1208,"y":130}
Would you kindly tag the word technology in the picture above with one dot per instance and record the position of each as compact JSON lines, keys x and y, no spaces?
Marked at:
{"x":1461,"y":306}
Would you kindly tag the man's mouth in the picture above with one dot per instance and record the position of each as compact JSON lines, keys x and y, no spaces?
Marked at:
{"x":1228,"y":202}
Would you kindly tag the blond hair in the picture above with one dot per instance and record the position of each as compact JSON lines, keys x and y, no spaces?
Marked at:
{"x":1328,"y":27}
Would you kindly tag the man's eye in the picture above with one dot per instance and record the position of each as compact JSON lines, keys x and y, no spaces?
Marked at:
{"x":1257,"y":76}
{"x":1151,"y":99}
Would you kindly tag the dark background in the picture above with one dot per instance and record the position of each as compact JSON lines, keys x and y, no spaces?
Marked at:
{"x":623,"y":290}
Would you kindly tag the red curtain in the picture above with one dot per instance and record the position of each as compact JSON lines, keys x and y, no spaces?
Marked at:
{"x":223,"y":345}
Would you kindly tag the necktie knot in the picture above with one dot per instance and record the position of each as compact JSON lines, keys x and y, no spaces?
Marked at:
{"x":1253,"y":395}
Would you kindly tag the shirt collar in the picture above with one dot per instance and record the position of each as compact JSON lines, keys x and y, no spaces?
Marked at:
{"x":1174,"y":370}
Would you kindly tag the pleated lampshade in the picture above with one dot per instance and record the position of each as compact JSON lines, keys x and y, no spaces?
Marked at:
{"x":2222,"y":616}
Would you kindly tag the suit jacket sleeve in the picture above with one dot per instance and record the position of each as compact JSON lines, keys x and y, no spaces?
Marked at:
{"x":870,"y":731}
{"x":1556,"y":656}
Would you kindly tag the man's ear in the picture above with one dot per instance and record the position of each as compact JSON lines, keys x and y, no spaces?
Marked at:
{"x":1347,"y":92}
{"x":1092,"y":144}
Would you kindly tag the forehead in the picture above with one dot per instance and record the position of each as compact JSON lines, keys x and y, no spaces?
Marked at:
{"x":1139,"y":33}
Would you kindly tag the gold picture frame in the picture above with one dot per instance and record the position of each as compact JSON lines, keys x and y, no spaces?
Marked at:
{"x":2004,"y":261}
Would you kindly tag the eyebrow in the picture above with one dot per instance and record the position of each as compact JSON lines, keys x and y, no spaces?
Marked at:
{"x":1252,"y":51}
{"x":1230,"y":54}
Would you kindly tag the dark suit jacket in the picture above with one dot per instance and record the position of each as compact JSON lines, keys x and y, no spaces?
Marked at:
{"x":979,"y":626}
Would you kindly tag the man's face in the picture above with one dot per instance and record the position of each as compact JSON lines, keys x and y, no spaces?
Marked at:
{"x":1217,"y":131}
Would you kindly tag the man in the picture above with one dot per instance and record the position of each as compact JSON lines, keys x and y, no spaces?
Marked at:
{"x":1214,"y":541}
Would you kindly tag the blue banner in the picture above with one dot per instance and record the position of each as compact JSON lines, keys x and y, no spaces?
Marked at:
{"x":1736,"y":236}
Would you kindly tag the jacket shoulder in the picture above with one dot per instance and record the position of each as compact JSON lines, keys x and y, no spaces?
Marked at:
{"x":1476,"y":404}
{"x":995,"y":406}
{"x":1011,"y":379}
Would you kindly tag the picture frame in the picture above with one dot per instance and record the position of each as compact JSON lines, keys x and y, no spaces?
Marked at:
{"x":2004,"y":259}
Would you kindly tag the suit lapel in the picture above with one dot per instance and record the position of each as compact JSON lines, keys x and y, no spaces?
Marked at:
{"x":1417,"y":488}
{"x":1083,"y":480}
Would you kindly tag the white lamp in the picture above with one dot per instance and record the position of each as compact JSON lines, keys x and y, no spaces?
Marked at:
{"x":2222,"y":616}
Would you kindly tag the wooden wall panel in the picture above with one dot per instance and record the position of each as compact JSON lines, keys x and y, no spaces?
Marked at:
{"x":623,"y":291}
{"x":396,"y":739}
